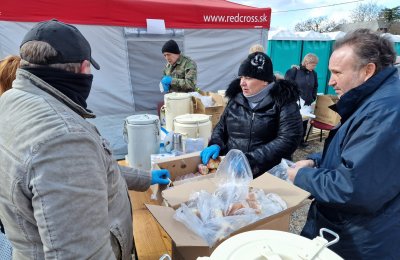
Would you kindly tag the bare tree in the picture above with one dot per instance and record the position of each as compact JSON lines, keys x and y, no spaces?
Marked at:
{"x":366,"y":12}
{"x":318,"y":24}
{"x":390,"y":15}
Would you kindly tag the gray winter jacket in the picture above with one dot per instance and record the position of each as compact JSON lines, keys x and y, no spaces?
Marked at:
{"x":62,"y":195}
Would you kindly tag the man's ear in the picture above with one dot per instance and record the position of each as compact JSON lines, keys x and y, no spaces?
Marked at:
{"x":370,"y":70}
{"x":85,"y":67}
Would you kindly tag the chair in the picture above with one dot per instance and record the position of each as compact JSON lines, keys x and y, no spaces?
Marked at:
{"x":319,"y":125}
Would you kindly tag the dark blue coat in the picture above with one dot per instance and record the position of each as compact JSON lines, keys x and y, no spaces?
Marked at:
{"x":357,"y":186}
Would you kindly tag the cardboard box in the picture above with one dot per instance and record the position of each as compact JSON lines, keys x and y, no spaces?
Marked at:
{"x":322,"y":111}
{"x":178,"y":166}
{"x":215,"y":111}
{"x":188,"y":245}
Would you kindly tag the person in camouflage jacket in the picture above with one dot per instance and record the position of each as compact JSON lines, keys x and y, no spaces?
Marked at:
{"x":180,"y":73}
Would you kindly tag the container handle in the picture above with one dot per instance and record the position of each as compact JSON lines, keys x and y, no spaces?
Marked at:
{"x":165,"y":257}
{"x":311,"y":252}
{"x":125,"y":132}
{"x":194,"y":102}
{"x":156,"y":126}
{"x":321,"y":234}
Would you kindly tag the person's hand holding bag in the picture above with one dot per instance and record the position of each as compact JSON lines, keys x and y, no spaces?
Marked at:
{"x":210,"y":152}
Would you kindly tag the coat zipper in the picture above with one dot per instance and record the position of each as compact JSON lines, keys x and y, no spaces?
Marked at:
{"x":251,"y":129}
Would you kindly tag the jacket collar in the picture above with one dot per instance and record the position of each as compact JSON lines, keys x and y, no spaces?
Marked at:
{"x":350,"y":101}
{"x":178,"y":61}
{"x":242,"y":100}
{"x":85,"y":113}
{"x":303,"y":68}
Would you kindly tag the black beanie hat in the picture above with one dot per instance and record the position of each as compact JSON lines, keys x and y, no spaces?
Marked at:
{"x":171,"y":46}
{"x":258,"y":66}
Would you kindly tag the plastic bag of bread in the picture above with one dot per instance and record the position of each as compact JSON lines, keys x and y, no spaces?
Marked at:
{"x":231,"y":206}
{"x":214,"y":216}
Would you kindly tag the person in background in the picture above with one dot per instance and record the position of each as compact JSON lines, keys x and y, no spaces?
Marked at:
{"x":62,"y":195}
{"x":256,"y":48}
{"x":356,"y":182}
{"x":180,"y":72}
{"x":8,"y":68}
{"x":261,"y":119}
{"x":307,"y":81}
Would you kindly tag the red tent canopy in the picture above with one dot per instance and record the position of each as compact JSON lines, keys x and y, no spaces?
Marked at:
{"x":133,"y":13}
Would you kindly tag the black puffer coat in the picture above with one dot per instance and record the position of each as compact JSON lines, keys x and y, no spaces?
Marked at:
{"x":306,"y":80}
{"x":266,"y":134}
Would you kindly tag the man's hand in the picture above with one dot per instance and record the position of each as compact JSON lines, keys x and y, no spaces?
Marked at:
{"x":210,"y":152}
{"x":292,"y":172}
{"x":160,"y":177}
{"x":166,"y":83}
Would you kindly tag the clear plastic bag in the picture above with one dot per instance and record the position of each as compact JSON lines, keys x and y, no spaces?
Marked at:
{"x":194,"y":144}
{"x":233,"y":204}
{"x":280,"y":170}
{"x":234,"y":168}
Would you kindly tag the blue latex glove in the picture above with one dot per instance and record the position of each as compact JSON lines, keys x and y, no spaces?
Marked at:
{"x":210,"y":152}
{"x":160,"y":177}
{"x":166,"y":82}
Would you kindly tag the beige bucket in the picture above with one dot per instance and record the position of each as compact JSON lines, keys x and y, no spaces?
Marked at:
{"x":176,"y":104}
{"x":194,"y":126}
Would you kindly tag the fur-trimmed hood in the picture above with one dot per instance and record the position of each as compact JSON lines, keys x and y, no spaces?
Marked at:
{"x":282,"y":91}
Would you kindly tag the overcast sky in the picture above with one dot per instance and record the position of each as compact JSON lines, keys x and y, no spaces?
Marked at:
{"x":287,"y":20}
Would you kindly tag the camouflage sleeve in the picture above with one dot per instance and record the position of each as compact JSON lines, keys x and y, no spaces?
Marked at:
{"x":187,"y":84}
{"x":165,"y":71}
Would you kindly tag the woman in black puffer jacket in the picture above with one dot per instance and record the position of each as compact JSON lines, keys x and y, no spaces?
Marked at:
{"x":261,"y":119}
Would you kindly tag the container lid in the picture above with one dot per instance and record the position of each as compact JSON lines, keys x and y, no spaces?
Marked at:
{"x":192,"y":118}
{"x":176,"y":95}
{"x":282,"y":35}
{"x":312,"y":36}
{"x":271,"y":244}
{"x":142,"y":119}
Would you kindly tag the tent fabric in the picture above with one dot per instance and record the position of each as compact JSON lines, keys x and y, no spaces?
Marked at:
{"x":176,"y":13}
{"x":218,"y":60}
{"x":130,"y":57}
{"x":111,"y":91}
{"x":131,"y":65}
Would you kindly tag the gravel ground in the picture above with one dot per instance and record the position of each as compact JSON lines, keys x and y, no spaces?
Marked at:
{"x":299,"y":217}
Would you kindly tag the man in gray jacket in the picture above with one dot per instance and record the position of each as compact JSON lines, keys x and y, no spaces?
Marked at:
{"x":62,"y":195}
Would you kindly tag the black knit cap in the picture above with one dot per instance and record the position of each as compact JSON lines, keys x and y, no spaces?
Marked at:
{"x":66,"y":39}
{"x":171,"y":46}
{"x":258,"y":66}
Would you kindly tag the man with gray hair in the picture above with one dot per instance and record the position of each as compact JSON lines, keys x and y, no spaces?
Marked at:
{"x":356,"y":182}
{"x":62,"y":195}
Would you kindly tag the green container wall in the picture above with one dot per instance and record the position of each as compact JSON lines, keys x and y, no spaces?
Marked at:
{"x":322,"y":49}
{"x":397,"y":47}
{"x":284,"y":54}
{"x":329,"y":90}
